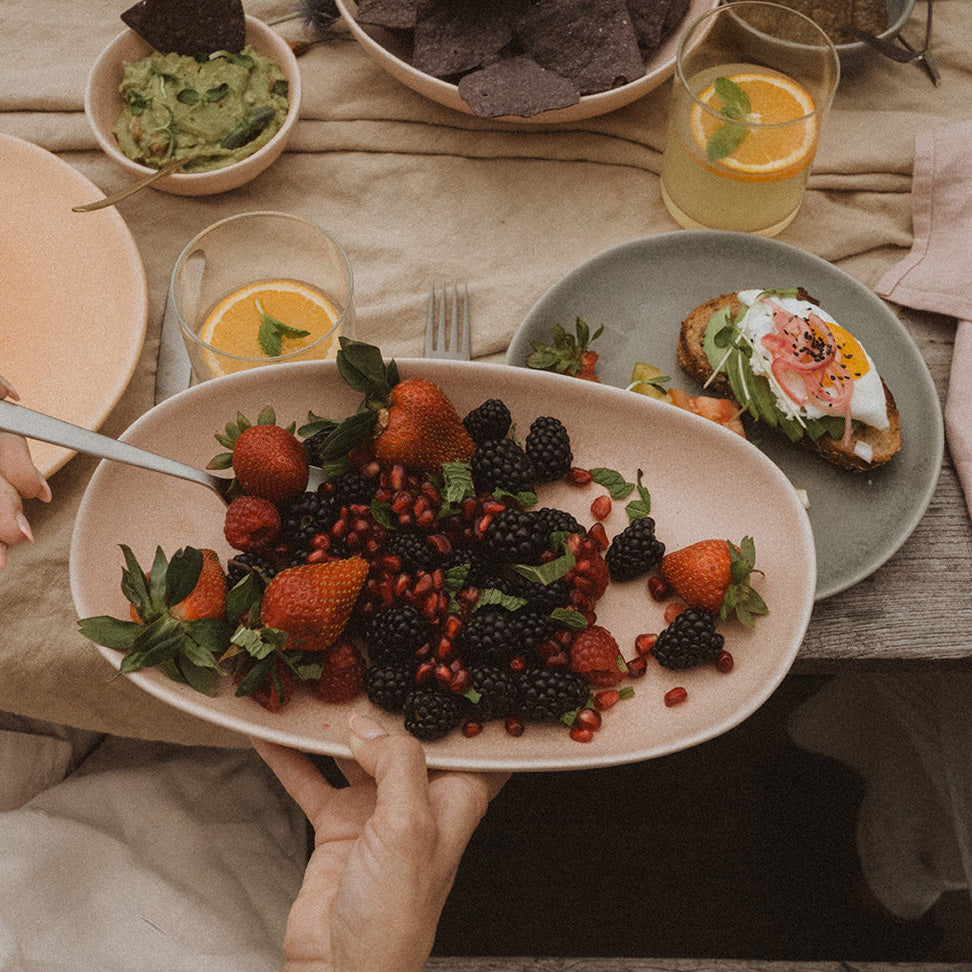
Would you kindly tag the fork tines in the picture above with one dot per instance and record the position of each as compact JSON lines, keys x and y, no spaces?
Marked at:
{"x":451,"y":342}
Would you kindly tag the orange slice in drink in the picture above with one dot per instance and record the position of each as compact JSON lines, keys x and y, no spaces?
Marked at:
{"x":233,"y":325}
{"x":781,"y":133}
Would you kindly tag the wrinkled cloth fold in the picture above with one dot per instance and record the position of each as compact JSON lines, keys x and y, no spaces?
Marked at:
{"x":936,"y":275}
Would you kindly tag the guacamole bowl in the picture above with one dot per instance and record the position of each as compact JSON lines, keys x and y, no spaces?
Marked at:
{"x":103,"y":105}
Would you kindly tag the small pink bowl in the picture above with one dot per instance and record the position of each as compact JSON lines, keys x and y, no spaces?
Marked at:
{"x":102,"y":105}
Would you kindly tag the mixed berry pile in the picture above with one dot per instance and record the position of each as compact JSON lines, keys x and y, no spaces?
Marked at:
{"x":444,"y":591}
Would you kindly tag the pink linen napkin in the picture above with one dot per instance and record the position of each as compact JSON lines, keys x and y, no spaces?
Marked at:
{"x":937,"y":274}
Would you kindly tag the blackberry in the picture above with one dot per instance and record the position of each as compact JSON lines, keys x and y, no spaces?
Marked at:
{"x":540,"y":597}
{"x":413,"y":549}
{"x":388,"y":686}
{"x":516,"y":537}
{"x":635,"y":550}
{"x":431,"y":713}
{"x":534,"y":627}
{"x":502,"y":464}
{"x":353,"y":487}
{"x":395,"y":633}
{"x":548,"y":447}
{"x":309,"y":514}
{"x":691,"y":638}
{"x":546,"y":694}
{"x":496,"y":688}
{"x":559,"y":521}
{"x":250,"y":562}
{"x":491,"y":420}
{"x":491,"y":636}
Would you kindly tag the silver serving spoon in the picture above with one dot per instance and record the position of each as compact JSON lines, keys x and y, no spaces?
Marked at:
{"x":173,"y":165}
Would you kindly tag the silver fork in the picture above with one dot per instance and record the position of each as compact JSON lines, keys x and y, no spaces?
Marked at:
{"x":453,"y":342}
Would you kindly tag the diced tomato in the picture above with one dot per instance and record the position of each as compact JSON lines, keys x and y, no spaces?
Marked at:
{"x":722,"y":411}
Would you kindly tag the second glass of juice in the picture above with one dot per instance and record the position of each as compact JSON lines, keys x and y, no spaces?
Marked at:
{"x":261,"y":288}
{"x":753,"y":83}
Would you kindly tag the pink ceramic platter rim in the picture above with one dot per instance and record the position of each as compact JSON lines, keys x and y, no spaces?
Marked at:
{"x":704,"y":482}
{"x":74,"y":295}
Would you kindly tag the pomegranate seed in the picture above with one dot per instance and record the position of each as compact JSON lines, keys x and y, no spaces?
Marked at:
{"x":518,"y":663}
{"x":441,"y":543}
{"x":400,"y":585}
{"x":460,"y":681}
{"x":658,"y":589}
{"x":317,"y":556}
{"x":401,"y":502}
{"x":396,"y":476}
{"x":599,"y":537}
{"x":601,"y":507}
{"x":675,"y":696}
{"x":637,"y":666}
{"x":581,"y":734}
{"x":425,"y":672}
{"x":644,"y":643}
{"x":578,"y":477}
{"x":423,"y":584}
{"x":443,"y":674}
{"x":492,"y":506}
{"x":606,"y":698}
{"x":673,"y":610}
{"x":471,"y":728}
{"x":588,"y":717}
{"x":725,"y":662}
{"x":515,"y":725}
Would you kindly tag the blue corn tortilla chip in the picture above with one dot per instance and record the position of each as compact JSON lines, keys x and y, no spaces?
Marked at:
{"x":516,"y":86}
{"x":590,"y":42}
{"x":189,"y":27}
{"x":392,"y":14}
{"x":454,"y":37}
{"x":650,"y":19}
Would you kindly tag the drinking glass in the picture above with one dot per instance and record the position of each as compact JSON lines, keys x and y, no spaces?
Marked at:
{"x":238,"y":254}
{"x":752,"y":87}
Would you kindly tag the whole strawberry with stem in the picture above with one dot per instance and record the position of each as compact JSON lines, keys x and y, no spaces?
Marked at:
{"x":714,"y":575}
{"x":409,"y":422}
{"x":268,"y":460}
{"x":178,"y":617}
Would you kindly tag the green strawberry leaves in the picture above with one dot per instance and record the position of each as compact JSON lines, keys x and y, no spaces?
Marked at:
{"x":741,"y":598}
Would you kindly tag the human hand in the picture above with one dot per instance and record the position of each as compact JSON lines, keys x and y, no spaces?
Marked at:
{"x":19,"y":480}
{"x":386,"y":852}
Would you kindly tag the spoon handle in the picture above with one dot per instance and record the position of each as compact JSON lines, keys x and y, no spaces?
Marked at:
{"x":171,"y":166}
{"x":46,"y":428}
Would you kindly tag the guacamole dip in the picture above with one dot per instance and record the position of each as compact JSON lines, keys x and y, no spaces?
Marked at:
{"x":221,"y":108}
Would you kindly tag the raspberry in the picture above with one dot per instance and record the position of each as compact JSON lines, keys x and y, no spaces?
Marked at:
{"x":389,"y":685}
{"x":548,"y":447}
{"x":635,"y":550}
{"x":595,"y":655}
{"x":431,"y":713}
{"x":546,"y":694}
{"x":343,"y":675}
{"x":502,"y":464}
{"x":491,"y":420}
{"x":251,"y":523}
{"x":691,"y":638}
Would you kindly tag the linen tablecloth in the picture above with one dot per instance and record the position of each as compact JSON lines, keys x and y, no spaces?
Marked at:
{"x":411,"y":189}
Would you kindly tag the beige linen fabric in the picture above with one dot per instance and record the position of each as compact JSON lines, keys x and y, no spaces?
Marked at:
{"x":411,"y":189}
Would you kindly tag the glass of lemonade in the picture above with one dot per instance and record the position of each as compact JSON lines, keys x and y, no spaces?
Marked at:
{"x":260,"y":289}
{"x":753,"y":83}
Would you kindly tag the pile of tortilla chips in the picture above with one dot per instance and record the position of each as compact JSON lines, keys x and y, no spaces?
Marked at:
{"x":523,"y":57}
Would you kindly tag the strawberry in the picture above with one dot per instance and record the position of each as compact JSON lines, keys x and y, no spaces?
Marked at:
{"x":342,"y":677}
{"x":274,"y":687}
{"x":714,"y":575}
{"x":312,"y":602}
{"x":421,"y":428}
{"x":570,"y":354}
{"x":595,"y":654}
{"x":251,"y":523}
{"x":408,"y":422}
{"x":178,"y":617}
{"x":268,"y":460}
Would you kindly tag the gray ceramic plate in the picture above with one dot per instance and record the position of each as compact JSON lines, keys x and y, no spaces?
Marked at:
{"x":641,"y":290}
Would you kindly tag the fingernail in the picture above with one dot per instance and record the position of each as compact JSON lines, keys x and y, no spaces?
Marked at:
{"x":44,"y":495}
{"x":3,"y":555}
{"x":364,"y":727}
{"x":24,"y":527}
{"x":9,"y":389}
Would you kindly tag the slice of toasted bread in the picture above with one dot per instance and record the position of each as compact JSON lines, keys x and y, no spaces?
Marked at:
{"x":881,"y":443}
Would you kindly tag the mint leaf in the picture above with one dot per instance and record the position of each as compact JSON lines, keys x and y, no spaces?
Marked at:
{"x":735,"y":104}
{"x":725,"y":141}
{"x":612,"y":481}
{"x":640,"y":507}
{"x":272,"y":332}
{"x":735,"y":101}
